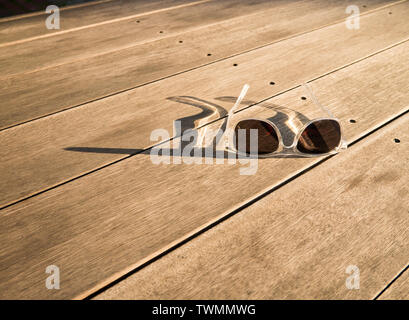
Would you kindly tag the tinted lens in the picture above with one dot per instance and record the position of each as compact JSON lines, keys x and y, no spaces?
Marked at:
{"x":321,"y":136}
{"x":267,"y":136}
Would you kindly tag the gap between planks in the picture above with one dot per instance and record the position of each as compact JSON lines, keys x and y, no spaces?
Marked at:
{"x":398,"y":288}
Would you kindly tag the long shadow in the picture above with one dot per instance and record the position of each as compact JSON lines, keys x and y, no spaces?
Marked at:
{"x":107,"y":150}
{"x":210,"y":112}
{"x":195,"y":152}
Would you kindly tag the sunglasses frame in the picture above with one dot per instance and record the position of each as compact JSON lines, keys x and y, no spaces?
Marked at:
{"x":233,"y":119}
{"x":282,"y":148}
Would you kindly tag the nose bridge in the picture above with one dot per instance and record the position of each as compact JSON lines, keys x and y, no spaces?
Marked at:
{"x":287,"y":121}
{"x":290,"y":128}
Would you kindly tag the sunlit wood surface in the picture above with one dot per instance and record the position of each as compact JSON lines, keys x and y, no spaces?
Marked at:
{"x":79,"y":189}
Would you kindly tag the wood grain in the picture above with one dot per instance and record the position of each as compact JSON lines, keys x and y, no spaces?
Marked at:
{"x":127,"y":32}
{"x":103,"y":225}
{"x":38,"y":93}
{"x":26,"y":28}
{"x":297,"y":242}
{"x":399,"y":290}
{"x":35,"y":156}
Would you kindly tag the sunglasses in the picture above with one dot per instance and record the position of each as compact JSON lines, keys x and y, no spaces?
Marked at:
{"x":317,"y":137}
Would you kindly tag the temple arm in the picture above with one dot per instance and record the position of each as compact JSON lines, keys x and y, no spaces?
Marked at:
{"x":314,"y":98}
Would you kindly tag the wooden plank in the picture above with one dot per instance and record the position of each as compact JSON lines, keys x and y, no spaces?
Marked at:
{"x":126,"y":32}
{"x":399,"y":290}
{"x":298,"y":242}
{"x":39,"y":93}
{"x":35,"y":157}
{"x":32,"y":26}
{"x":99,"y":227}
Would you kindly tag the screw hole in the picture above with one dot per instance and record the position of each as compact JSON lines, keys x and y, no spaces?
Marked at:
{"x":272,"y":83}
{"x":352,"y":121}
{"x":235,"y":64}
{"x":396,"y":140}
{"x":303,"y":98}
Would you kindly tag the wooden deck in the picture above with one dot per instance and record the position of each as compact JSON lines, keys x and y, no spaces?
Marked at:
{"x":79,"y":190}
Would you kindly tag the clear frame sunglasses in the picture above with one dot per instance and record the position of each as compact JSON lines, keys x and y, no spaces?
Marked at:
{"x":317,"y":137}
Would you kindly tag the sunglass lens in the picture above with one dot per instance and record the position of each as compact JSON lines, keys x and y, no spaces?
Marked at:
{"x":321,"y":136}
{"x":267,"y":137}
